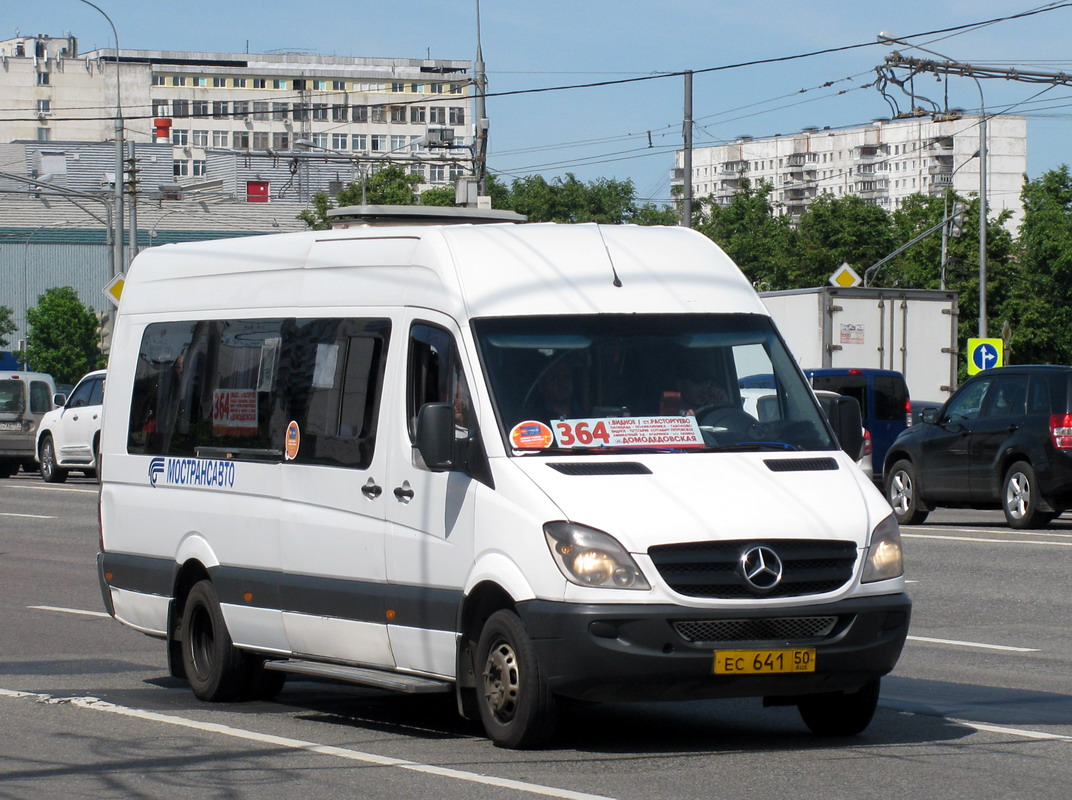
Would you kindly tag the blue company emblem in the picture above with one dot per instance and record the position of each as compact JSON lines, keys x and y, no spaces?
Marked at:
{"x":156,"y":468}
{"x":984,"y":356}
{"x":197,"y":472}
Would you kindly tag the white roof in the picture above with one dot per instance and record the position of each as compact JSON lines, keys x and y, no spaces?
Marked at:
{"x":464,"y":270}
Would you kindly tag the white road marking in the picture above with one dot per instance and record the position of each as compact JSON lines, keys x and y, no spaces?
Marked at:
{"x":28,"y":516}
{"x":987,"y":541}
{"x":72,"y":611}
{"x":1012,"y":731}
{"x":974,"y":644}
{"x":95,"y":704}
{"x":43,"y":488}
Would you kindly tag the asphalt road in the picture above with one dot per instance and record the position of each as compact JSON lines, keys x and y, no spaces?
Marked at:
{"x":980,"y":705}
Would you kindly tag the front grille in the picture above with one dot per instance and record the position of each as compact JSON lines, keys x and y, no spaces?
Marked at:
{"x":711,"y":569}
{"x":752,"y":630}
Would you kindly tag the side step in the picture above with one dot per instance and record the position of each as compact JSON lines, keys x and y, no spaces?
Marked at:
{"x":380,"y":679}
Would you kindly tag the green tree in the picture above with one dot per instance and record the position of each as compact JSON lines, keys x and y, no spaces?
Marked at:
{"x":392,"y":185}
{"x":1038,"y":301}
{"x":7,"y":325}
{"x":438,"y":196}
{"x":760,"y":243}
{"x":836,"y":230}
{"x":62,"y":339}
{"x":606,"y":201}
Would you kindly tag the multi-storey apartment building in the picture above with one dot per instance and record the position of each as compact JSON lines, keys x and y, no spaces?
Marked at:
{"x":884,"y":162}
{"x":376,"y":110}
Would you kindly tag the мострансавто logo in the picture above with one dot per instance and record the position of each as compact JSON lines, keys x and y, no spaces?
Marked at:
{"x":209,"y":473}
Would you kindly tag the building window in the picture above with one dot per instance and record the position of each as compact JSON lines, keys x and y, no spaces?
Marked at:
{"x":415,"y":145}
{"x":180,"y":108}
{"x":279,"y":83}
{"x":178,"y":80}
{"x":418,"y":114}
{"x":360,"y":113}
{"x":219,"y":138}
{"x":44,"y":135}
{"x":437,"y":88}
{"x":437,"y":115}
{"x":239,"y":83}
{"x":199,"y":81}
{"x":340,"y":113}
{"x":280,"y":141}
{"x":260,"y":83}
{"x":320,"y":111}
{"x":418,"y":170}
{"x":416,"y":87}
{"x":379,"y":143}
{"x":240,"y":109}
{"x":398,"y":86}
{"x":280,"y":110}
{"x":456,"y":171}
{"x":159,"y":80}
{"x":200,"y":167}
{"x":44,"y":106}
{"x":339,"y":141}
{"x":359,"y":142}
{"x":320,"y":86}
{"x":320,"y":140}
{"x":398,"y":114}
{"x":219,"y":109}
{"x":379,"y":114}
{"x":260,"y":140}
{"x":180,"y":138}
{"x":42,"y":79}
{"x":457,"y":115}
{"x":398,"y":143}
{"x":455,"y":88}
{"x":200,"y":139}
{"x":219,"y":83}
{"x":200,"y":108}
{"x":260,"y":110}
{"x":437,"y":173}
{"x":300,"y":112}
{"x":180,"y":169}
{"x":338,"y":86}
{"x":299,"y":84}
{"x":241,"y":140}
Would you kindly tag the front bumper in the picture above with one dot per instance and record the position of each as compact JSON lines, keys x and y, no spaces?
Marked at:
{"x":634,"y":652}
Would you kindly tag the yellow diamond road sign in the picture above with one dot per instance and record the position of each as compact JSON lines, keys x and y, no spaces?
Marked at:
{"x":114,"y":288}
{"x":845,"y":277}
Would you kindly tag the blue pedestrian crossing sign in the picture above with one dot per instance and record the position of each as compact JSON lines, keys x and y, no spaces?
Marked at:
{"x":984,"y":354}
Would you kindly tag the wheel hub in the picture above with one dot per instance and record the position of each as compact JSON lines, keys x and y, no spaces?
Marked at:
{"x":502,"y":680}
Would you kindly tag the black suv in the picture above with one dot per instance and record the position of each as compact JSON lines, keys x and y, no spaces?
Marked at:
{"x":1004,"y":439}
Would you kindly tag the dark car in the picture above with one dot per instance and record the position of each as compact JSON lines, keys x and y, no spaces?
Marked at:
{"x":1004,"y":440}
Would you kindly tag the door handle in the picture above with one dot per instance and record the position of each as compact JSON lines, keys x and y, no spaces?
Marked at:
{"x":1013,"y":428}
{"x":404,"y":493}
{"x":371,"y":490}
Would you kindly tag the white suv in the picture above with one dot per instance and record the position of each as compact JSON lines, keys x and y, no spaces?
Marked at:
{"x":69,"y":436}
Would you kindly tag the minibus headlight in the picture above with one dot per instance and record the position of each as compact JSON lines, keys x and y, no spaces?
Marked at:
{"x":884,"y":559}
{"x":589,"y":557}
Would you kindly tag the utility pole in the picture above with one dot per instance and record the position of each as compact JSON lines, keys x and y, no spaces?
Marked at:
{"x":480,"y":80}
{"x":686,"y":160}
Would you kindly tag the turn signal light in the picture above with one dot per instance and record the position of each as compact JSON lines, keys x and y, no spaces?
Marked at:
{"x":1061,"y":431}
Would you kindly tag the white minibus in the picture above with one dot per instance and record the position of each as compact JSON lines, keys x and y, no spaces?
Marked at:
{"x":506,"y":461}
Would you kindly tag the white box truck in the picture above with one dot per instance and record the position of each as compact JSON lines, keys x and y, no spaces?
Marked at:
{"x":912,"y":331}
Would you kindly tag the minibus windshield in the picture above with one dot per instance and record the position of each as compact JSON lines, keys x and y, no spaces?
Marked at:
{"x":648,"y":383}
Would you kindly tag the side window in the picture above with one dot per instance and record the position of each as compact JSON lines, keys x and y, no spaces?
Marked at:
{"x":96,"y":394}
{"x":435,"y":376}
{"x":967,"y":403}
{"x":81,"y":395}
{"x":334,"y":381}
{"x":891,"y":395}
{"x":40,"y":397}
{"x":1006,"y":397}
{"x":1038,"y":395}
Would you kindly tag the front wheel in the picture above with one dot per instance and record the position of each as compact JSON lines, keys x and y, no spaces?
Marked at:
{"x":215,"y":668}
{"x":516,"y":706}
{"x":840,"y":713}
{"x":50,"y":473}
{"x":902,"y":492}
{"x":1020,"y":498}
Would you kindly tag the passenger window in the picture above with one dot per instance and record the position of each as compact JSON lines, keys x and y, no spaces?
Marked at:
{"x":891,"y":396}
{"x":11,"y":398}
{"x":1038,"y":396}
{"x":1006,"y":397}
{"x":81,"y":395}
{"x":40,"y":397}
{"x":968,"y":402}
{"x":435,"y":376}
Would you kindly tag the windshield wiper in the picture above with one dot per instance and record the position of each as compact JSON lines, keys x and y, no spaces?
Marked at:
{"x":746,"y":446}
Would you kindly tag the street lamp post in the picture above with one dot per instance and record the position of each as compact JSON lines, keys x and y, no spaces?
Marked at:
{"x":117,"y":217}
{"x":947,"y":219}
{"x":887,"y":38}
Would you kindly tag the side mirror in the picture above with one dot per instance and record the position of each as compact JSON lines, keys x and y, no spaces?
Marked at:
{"x":59,"y":399}
{"x":929,"y":415}
{"x":435,"y":436}
{"x":845,"y":418}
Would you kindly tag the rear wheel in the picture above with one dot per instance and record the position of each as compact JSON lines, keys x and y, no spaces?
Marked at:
{"x":516,"y":706}
{"x":1020,"y":499}
{"x":840,"y":713}
{"x":50,"y":473}
{"x":216,"y":669}
{"x":902,"y":492}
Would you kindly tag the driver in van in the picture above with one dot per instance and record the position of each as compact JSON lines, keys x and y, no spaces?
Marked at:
{"x":695,"y":388}
{"x":553,"y":397}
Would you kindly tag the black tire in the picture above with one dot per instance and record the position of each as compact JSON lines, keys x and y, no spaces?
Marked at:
{"x":1020,"y":498}
{"x":902,"y":492}
{"x":261,"y":683}
{"x":516,"y":706}
{"x":840,"y":713}
{"x":216,"y":670}
{"x":50,"y":473}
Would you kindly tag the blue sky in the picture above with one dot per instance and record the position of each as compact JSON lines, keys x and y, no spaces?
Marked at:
{"x":605,"y":132}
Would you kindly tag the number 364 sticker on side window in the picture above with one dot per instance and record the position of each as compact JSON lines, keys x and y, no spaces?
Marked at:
{"x":674,"y":432}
